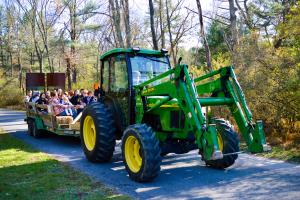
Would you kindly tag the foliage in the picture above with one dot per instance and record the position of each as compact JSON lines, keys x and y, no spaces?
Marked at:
{"x":10,"y":95}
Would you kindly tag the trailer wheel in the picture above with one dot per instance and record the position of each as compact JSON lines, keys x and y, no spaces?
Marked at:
{"x":97,"y":133}
{"x":228,"y":142}
{"x":36,"y":133}
{"x":30,"y":126}
{"x":141,"y":153}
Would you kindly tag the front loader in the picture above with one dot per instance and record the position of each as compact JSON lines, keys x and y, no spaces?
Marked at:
{"x":155,"y":110}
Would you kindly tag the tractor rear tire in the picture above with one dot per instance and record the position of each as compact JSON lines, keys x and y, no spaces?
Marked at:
{"x":141,"y":153}
{"x":228,"y":140}
{"x":97,"y":133}
{"x":36,"y":133}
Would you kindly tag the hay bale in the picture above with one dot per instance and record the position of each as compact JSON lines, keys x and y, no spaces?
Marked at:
{"x":64,"y":119}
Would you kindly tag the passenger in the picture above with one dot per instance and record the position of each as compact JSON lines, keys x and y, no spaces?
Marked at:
{"x":28,"y":96}
{"x":88,"y":98}
{"x":60,"y":93}
{"x":82,"y":92}
{"x":48,"y":97}
{"x":83,"y":95}
{"x":59,"y":109}
{"x":71,"y":110}
{"x":42,"y":101}
{"x":35,"y":96}
{"x":75,"y":99}
{"x":70,"y":94}
{"x":96,"y":89}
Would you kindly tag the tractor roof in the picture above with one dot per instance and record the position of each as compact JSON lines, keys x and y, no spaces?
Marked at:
{"x":131,"y":50}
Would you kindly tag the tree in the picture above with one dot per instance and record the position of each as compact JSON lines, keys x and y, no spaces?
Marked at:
{"x":75,"y":26}
{"x":153,"y":33}
{"x":126,"y":17}
{"x":202,"y":33}
{"x":179,"y":24}
{"x":116,"y":19}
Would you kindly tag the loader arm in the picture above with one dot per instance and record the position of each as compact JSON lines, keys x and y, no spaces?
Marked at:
{"x":181,"y":87}
{"x":227,"y":86}
{"x":225,"y":90}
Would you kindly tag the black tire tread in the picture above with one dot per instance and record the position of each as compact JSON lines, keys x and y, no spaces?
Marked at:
{"x":105,"y":133}
{"x":231,"y":144}
{"x":150,"y":146}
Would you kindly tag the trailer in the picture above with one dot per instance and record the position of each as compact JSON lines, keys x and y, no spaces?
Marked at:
{"x":41,"y":118}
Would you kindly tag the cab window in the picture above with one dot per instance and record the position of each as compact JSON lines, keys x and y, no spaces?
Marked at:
{"x":118,"y":73}
{"x":105,"y":76}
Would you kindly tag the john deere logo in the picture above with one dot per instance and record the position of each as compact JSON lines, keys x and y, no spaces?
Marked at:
{"x":148,"y":91}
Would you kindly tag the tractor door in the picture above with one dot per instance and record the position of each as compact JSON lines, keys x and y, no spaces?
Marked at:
{"x":116,"y":90}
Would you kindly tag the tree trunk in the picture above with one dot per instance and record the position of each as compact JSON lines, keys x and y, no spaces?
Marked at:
{"x":73,"y":34}
{"x":40,"y":58}
{"x":31,"y":62}
{"x":127,"y":23}
{"x":154,"y":40}
{"x":233,"y":26}
{"x":170,"y":35}
{"x":115,"y":9}
{"x":161,"y":24}
{"x":20,"y":72}
{"x":11,"y":64}
{"x":74,"y":76}
{"x":202,"y":33}
{"x":286,"y":9}
{"x":97,"y":69}
{"x":1,"y":46}
{"x":33,"y":29}
{"x":59,"y":64}
{"x":68,"y":72}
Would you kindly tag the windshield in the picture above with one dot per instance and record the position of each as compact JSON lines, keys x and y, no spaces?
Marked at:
{"x":147,"y":67}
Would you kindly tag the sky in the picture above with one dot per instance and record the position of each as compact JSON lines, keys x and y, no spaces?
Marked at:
{"x":141,"y":8}
{"x":142,"y":5}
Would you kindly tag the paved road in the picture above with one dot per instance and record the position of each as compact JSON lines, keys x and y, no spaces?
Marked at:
{"x":182,"y":176}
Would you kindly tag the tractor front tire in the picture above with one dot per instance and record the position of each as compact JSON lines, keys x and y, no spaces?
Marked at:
{"x":228,"y":143}
{"x":97,"y":133}
{"x":141,"y":153}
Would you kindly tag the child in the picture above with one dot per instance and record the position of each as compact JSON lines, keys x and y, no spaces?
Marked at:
{"x":70,"y":109}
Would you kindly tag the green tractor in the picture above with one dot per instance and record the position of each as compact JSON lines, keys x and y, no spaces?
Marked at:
{"x":156,"y":109}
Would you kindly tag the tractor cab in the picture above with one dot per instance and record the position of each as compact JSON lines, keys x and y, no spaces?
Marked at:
{"x":121,"y":71}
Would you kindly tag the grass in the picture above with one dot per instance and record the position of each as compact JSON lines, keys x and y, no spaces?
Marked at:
{"x":290,"y":155}
{"x":26,"y":173}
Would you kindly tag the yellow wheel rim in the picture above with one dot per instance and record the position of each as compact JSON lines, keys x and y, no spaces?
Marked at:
{"x":220,"y":142}
{"x":89,"y":133}
{"x":132,"y":154}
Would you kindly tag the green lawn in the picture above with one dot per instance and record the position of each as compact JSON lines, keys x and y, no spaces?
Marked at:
{"x":26,"y":173}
